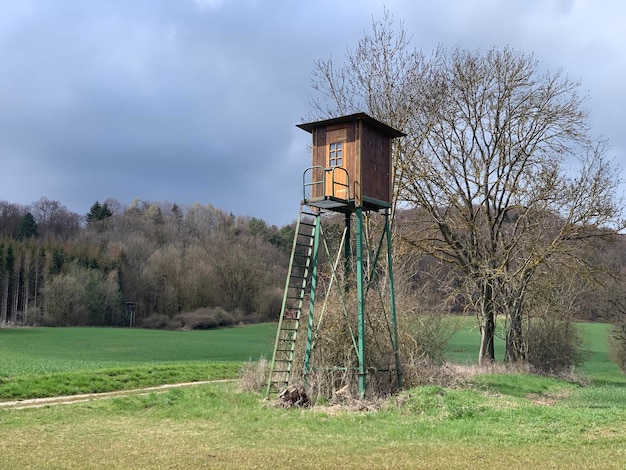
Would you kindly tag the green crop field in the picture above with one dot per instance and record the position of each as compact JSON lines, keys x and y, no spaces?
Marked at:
{"x":42,"y":362}
{"x":36,"y":350}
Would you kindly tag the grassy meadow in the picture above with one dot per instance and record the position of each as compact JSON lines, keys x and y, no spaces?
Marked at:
{"x":496,"y":421}
{"x":44,"y":362}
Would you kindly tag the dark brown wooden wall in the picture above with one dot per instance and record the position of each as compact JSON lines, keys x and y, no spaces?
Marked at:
{"x":376,"y":164}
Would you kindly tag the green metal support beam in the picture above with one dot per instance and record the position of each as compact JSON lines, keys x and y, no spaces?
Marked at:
{"x":392,"y":300}
{"x":360,"y":302}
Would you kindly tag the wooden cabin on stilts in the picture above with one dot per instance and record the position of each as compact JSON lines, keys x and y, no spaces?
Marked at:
{"x":351,"y":173}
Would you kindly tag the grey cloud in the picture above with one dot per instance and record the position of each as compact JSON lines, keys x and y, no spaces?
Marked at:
{"x":196,"y":101}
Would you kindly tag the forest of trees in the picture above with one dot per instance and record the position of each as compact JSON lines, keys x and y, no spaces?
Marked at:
{"x":188,"y":266}
{"x":200,"y":266}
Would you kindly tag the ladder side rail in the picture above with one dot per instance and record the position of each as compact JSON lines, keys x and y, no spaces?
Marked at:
{"x":309,"y":339}
{"x":284,"y":303}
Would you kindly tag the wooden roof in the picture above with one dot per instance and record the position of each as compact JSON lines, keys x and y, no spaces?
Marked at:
{"x":381,"y":126}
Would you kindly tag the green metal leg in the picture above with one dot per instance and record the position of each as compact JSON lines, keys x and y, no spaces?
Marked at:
{"x":360,"y":302}
{"x":392,"y":300}
{"x":347,"y":254}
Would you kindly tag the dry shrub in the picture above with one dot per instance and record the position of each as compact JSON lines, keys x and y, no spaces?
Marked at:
{"x":253,"y":376}
{"x":334,"y":360}
{"x":424,"y":328}
{"x":427,"y":335}
{"x":467,"y":371}
{"x":553,"y":344}
{"x":205,"y":318}
{"x":419,"y":370}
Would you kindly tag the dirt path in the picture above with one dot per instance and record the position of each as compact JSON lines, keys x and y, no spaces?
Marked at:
{"x":67,"y":400}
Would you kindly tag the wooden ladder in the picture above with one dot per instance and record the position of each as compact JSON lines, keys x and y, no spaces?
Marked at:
{"x":293,"y":299}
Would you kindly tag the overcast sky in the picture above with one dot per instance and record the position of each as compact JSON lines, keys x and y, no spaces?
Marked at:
{"x":197,"y":100}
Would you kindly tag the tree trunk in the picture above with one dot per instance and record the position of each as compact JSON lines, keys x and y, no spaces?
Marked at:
{"x":5,"y":300}
{"x":515,"y":351}
{"x":487,"y":353}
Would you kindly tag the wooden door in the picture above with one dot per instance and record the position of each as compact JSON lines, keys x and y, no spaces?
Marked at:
{"x":337,"y":178}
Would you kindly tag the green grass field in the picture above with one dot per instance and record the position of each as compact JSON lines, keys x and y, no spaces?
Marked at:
{"x":43,"y":362}
{"x":44,"y":350}
{"x":213,"y":426}
{"x":498,"y":421}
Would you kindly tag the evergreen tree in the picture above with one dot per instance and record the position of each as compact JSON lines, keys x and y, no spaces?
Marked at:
{"x":98,"y":212}
{"x":28,"y":227}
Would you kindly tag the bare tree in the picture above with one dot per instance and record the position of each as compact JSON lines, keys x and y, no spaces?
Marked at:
{"x":55,"y":220}
{"x":511,"y":179}
{"x":499,"y":158}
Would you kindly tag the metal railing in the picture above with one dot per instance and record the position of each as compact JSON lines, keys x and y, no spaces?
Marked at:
{"x":337,"y":176}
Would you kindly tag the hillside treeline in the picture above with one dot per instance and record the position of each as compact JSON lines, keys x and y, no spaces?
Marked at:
{"x":200,"y":267}
{"x":194,"y":266}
